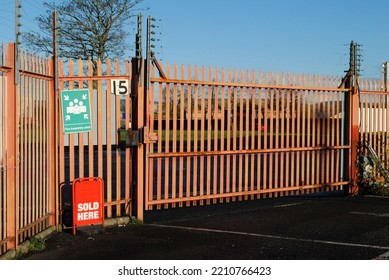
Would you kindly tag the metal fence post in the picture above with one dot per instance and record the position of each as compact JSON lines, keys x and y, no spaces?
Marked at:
{"x":351,"y":131}
{"x":138,"y":152}
{"x":53,"y":134}
{"x":11,"y":152}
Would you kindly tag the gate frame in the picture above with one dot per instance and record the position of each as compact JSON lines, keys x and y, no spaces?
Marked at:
{"x":351,"y":133}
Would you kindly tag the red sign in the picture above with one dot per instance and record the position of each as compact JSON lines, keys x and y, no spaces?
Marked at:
{"x":88,"y":202}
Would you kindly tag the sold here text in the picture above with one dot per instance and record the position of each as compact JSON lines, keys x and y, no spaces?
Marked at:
{"x":88,"y":211}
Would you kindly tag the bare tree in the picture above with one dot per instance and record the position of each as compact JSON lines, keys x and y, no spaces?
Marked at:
{"x":87,"y":29}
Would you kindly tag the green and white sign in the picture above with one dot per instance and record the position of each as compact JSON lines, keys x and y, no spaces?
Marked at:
{"x":76,"y":112}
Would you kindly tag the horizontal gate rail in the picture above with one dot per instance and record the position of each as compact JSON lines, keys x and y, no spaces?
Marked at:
{"x":241,"y":85}
{"x":242,"y":152}
{"x":251,"y":193}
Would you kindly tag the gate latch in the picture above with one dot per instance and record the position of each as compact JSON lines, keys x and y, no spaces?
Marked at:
{"x":133,"y":138}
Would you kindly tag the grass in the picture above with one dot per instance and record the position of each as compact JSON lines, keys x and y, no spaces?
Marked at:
{"x":36,"y":244}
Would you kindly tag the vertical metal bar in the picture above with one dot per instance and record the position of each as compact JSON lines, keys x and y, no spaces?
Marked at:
{"x":182,"y":116}
{"x":159,"y":148}
{"x":265,"y":144}
{"x":303,"y":133}
{"x":276,"y":134}
{"x":81,"y":135}
{"x":41,"y":153}
{"x":99,"y":120}
{"x":196,"y":134}
{"x":351,"y":131}
{"x":319,"y":131}
{"x":320,"y":135}
{"x":189,"y":186}
{"x":91,"y":134}
{"x":222,"y":135}
{"x":53,"y":144}
{"x":289,"y":119}
{"x":128,"y":158}
{"x":374,"y":121}
{"x":259,"y":111}
{"x":324,"y":167}
{"x":34,"y":181}
{"x":247,"y":134}
{"x":354,"y":139}
{"x":241,"y":132}
{"x":71,"y":136}
{"x":20,"y":149}
{"x":167,"y":133}
{"x":18,"y":202}
{"x":229,"y":125}
{"x":108,"y":183}
{"x":174,"y":159}
{"x":209,"y":131}
{"x":24,"y":164}
{"x":282,"y":134}
{"x":215,"y":134}
{"x":140,"y":150}
{"x":150,"y":185}
{"x":11,"y":156}
{"x":309,"y":127}
{"x":253,"y":117}
{"x":3,"y":192}
{"x":328,"y":131}
{"x":332,"y":131}
{"x":371,"y":110}
{"x":293,"y":119}
{"x":234,"y":134}
{"x":202,"y":136}
{"x":53,"y":108}
{"x":59,"y":123}
{"x":338,"y":138}
{"x":298,"y":132}
{"x":314,"y":107}
{"x":118,"y":117}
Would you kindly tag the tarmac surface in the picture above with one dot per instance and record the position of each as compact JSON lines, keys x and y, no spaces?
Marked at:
{"x":298,"y":228}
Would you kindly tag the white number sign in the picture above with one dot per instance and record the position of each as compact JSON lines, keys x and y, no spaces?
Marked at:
{"x":120,"y":87}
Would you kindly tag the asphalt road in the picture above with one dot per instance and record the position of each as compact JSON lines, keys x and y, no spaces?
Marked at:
{"x":301,"y":228}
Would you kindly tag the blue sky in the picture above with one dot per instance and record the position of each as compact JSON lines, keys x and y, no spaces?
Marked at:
{"x":301,"y":36}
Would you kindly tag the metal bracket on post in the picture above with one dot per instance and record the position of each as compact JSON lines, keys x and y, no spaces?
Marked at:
{"x":149,"y":137}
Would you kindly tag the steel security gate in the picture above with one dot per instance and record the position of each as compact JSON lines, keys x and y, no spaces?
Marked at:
{"x":97,"y":153}
{"x":225,"y":135}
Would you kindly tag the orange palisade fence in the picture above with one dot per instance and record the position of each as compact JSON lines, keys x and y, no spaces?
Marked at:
{"x":206,"y":136}
{"x":27,"y":148}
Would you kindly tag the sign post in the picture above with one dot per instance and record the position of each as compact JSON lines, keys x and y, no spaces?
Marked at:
{"x":88,"y":202}
{"x":76,"y":111}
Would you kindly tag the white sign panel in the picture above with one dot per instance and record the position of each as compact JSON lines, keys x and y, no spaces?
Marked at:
{"x":120,"y":87}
